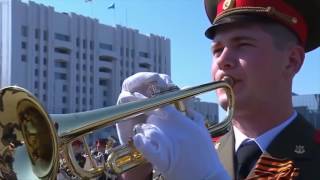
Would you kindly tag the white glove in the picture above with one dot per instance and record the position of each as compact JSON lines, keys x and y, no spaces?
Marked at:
{"x":178,"y":147}
{"x":135,"y":87}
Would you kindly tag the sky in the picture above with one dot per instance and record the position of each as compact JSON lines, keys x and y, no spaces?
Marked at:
{"x":184,"y":23}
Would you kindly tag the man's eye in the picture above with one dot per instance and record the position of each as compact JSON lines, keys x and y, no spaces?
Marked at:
{"x":244,"y":44}
{"x":216,"y":52}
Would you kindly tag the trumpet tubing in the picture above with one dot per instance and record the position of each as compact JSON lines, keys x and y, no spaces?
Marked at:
{"x":31,"y":141}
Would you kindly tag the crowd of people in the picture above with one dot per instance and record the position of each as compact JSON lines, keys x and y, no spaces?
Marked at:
{"x":99,"y":151}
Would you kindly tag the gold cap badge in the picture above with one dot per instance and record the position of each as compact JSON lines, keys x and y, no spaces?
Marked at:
{"x":227,"y":4}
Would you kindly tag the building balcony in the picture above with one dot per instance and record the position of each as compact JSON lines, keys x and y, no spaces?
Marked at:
{"x":62,"y":44}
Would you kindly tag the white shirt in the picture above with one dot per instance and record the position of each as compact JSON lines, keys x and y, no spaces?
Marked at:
{"x":264,"y":139}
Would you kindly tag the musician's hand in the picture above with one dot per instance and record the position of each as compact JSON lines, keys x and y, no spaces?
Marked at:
{"x":138,"y":86}
{"x":178,"y":147}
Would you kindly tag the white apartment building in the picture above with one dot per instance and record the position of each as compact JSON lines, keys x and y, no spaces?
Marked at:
{"x":209,"y":110}
{"x":70,"y":62}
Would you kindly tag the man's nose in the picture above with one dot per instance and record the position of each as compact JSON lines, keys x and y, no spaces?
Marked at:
{"x":226,"y":60}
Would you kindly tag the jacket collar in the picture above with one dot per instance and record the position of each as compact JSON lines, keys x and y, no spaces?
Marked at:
{"x":299,"y":139}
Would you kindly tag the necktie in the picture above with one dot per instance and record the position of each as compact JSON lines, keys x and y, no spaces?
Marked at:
{"x":246,"y":157}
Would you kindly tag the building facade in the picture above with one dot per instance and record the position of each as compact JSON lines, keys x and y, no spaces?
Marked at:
{"x":72,"y":63}
{"x":209,"y":110}
{"x":309,"y":107}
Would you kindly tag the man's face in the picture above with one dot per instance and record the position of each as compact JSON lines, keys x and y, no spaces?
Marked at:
{"x":248,"y":55}
{"x":100,"y":148}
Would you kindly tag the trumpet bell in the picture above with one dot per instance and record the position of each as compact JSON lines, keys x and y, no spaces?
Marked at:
{"x":28,"y":137}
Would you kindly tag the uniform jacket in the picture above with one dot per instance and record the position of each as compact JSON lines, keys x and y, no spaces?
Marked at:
{"x":299,"y":142}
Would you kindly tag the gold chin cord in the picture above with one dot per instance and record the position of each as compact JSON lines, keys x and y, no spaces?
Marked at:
{"x":31,"y":145}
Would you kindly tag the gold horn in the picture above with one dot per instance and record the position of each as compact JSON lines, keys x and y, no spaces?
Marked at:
{"x":30,"y":144}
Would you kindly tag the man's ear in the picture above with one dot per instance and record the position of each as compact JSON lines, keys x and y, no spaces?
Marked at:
{"x":296,"y":55}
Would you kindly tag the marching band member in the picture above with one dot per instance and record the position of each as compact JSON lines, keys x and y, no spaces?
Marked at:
{"x":261,"y":45}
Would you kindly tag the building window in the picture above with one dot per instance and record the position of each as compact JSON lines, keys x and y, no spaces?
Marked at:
{"x":91,"y":90}
{"x":127,"y":52}
{"x":78,"y":42}
{"x":44,"y":97}
{"x":64,"y":99}
{"x":144,"y":65}
{"x":24,"y":31}
{"x":36,"y":60}
{"x":103,"y":82}
{"x":62,"y":37}
{"x":36,"y":84}
{"x":105,"y":93}
{"x":37,"y":33}
{"x":132,"y":53}
{"x":104,"y":70}
{"x":84,"y":67}
{"x":84,"y":90}
{"x":84,"y":79}
{"x":77,"y":55}
{"x":24,"y":45}
{"x":77,"y":66}
{"x":36,"y":72}
{"x":84,"y":44}
{"x":77,"y":89}
{"x":44,"y":85}
{"x":121,"y":51}
{"x":91,"y":45}
{"x":84,"y":101}
{"x":45,"y":61}
{"x":105,"y":58}
{"x":78,"y":78}
{"x":44,"y":73}
{"x":64,"y":110}
{"x":105,"y":46}
{"x":24,"y":58}
{"x":62,"y":50}
{"x":61,"y":64}
{"x":45,"y":48}
{"x":144,"y":54}
{"x":61,"y":76}
{"x":36,"y":47}
{"x":77,"y":100}
{"x":84,"y":56}
{"x":64,"y":88}
{"x":45,"y":35}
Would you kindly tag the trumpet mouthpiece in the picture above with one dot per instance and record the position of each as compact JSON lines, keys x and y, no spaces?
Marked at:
{"x":229,"y":80}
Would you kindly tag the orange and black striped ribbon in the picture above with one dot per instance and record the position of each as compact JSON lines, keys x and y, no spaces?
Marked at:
{"x":268,"y":167}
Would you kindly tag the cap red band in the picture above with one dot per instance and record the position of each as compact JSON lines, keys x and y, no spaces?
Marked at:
{"x":299,"y":26}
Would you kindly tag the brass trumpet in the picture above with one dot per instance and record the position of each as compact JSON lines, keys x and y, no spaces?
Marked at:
{"x":30,"y":144}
